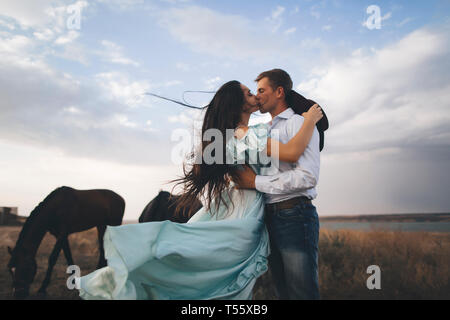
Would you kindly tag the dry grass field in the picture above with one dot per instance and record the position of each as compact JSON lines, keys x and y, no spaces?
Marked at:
{"x":414,"y":265}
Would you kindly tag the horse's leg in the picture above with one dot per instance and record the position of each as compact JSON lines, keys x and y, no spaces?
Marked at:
{"x":51,"y":263}
{"x":101,"y":261}
{"x":67,"y":252}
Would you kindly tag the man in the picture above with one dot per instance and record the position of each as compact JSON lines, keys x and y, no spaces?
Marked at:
{"x":291,"y":218}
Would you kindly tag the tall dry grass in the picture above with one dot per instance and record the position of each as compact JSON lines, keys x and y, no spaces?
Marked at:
{"x":414,"y":265}
{"x":84,"y":250}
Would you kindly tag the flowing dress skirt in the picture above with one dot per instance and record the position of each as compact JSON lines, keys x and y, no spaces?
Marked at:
{"x":216,"y":255}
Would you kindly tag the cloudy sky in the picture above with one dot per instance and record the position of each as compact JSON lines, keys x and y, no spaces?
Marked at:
{"x":73,"y":74}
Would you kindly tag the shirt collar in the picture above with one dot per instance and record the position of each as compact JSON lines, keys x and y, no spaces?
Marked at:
{"x":286,"y":114}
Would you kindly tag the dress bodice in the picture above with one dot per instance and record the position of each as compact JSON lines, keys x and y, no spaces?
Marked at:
{"x":250,"y":149}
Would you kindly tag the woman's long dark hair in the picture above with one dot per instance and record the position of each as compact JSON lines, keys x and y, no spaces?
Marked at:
{"x":222,"y":113}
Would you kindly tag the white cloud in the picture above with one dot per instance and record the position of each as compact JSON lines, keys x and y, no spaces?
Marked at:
{"x":123,"y":120}
{"x":183,"y":66}
{"x":114,"y":53}
{"x":277,"y":12}
{"x":67,"y":38}
{"x":313,"y":12}
{"x":311,"y":43}
{"x":47,"y":22}
{"x":275,"y":19}
{"x":386,"y":16}
{"x":290,"y":30}
{"x":314,"y":9}
{"x":327,"y":27}
{"x":41,"y":15}
{"x":404,"y":21}
{"x":180,"y":118}
{"x":175,"y":1}
{"x":75,"y":52}
{"x":222,"y":35}
{"x":149,"y":127}
{"x":16,"y":44}
{"x":172,"y":83}
{"x":46,"y":34}
{"x":73,"y":110}
{"x":394,"y":97}
{"x":212,"y":83}
{"x":121,"y":5}
{"x":188,"y":118}
{"x":27,"y":13}
{"x":8,"y":25}
{"x":48,"y":108}
{"x":120,"y":87}
{"x":46,"y":169}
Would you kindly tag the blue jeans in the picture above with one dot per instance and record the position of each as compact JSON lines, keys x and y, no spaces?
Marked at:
{"x":294,"y":244}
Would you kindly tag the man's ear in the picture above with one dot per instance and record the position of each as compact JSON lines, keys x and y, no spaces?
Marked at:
{"x":279,"y":92}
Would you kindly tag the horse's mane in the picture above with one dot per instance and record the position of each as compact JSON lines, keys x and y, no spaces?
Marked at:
{"x":32,"y":217}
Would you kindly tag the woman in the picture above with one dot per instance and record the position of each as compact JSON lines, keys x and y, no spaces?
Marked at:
{"x":223,"y":248}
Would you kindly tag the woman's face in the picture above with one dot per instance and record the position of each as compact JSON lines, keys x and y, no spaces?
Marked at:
{"x":251,"y":103}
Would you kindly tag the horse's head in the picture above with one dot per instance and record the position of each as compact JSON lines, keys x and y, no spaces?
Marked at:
{"x":162,"y":207}
{"x":22,"y":268}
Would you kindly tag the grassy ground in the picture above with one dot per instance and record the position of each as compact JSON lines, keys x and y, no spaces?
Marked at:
{"x":413,"y":265}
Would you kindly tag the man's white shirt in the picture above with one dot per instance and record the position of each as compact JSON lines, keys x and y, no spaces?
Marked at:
{"x":289,"y":180}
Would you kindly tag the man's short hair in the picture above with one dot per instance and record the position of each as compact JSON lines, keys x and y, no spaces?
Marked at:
{"x":277,"y":78}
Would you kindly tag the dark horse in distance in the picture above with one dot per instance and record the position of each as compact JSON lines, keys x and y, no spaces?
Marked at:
{"x":162,"y":207}
{"x":64,"y":211}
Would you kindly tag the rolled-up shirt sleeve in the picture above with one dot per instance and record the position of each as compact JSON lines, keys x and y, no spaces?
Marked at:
{"x":297,"y":179}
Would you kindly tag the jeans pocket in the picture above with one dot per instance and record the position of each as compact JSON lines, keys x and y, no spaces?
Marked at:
{"x":294,"y":213}
{"x":308,"y":211}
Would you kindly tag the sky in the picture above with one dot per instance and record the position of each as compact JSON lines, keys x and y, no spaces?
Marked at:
{"x":73,"y":78}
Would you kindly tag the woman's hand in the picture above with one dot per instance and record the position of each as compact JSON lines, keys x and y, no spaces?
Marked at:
{"x":292,"y":151}
{"x":245,"y":178}
{"x":314,"y":114}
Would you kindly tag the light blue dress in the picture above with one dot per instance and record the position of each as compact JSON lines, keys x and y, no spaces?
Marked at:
{"x":215,"y":255}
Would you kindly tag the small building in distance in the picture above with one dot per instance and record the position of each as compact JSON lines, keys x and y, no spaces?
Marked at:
{"x":9,"y":216}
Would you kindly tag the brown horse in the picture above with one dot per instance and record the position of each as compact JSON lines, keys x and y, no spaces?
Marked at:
{"x":162,"y":207}
{"x":64,"y":211}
